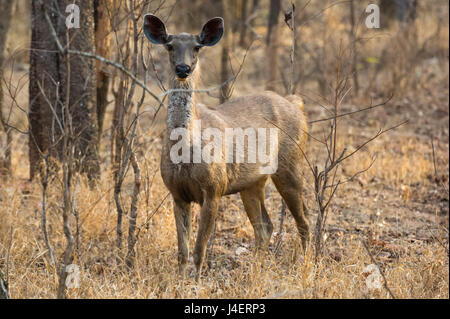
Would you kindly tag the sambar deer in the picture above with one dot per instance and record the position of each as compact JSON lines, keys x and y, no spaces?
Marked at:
{"x":205,"y":181}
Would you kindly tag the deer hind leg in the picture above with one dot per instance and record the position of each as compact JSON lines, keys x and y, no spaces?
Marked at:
{"x":207,"y":217}
{"x":289,"y":185}
{"x":253,"y":199}
{"x":265,"y":216}
{"x":183,"y":220}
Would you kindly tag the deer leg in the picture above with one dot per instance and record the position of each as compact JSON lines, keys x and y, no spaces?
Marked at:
{"x":290,"y":188}
{"x":252,"y":204}
{"x":207,"y":217}
{"x":265,"y":216}
{"x":183,"y":220}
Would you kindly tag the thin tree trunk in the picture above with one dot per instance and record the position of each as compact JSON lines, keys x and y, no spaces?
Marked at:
{"x":272,"y":26}
{"x":255,"y":5}
{"x":132,"y":239}
{"x":102,"y":47}
{"x":225,"y":73}
{"x":354,"y":47}
{"x":291,"y":86}
{"x":5,"y":22}
{"x":117,"y":143}
{"x":388,"y":11}
{"x":272,"y":45}
{"x":243,"y":35}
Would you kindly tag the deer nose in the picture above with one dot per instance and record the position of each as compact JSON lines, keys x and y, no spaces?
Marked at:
{"x":182,"y":70}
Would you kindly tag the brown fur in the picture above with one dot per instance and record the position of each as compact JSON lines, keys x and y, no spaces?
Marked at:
{"x":205,"y":183}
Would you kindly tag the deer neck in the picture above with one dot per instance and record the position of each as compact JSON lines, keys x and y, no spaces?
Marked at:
{"x":182,"y":110}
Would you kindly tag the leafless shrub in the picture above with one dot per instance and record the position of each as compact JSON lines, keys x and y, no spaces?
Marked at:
{"x":326,"y":176}
{"x":327,"y":179}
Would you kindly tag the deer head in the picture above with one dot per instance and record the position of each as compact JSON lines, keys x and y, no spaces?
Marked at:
{"x":183,"y":48}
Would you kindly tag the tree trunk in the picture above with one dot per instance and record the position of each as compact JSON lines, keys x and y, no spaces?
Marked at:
{"x":400,"y":10}
{"x":354,"y":47}
{"x":243,"y":35}
{"x":255,"y":5}
{"x":102,"y":47}
{"x":272,"y":45}
{"x":225,"y":73}
{"x":5,"y":21}
{"x":44,"y":61}
{"x":58,"y":80}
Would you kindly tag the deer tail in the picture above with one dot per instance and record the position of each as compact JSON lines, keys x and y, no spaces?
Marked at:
{"x":295,"y":99}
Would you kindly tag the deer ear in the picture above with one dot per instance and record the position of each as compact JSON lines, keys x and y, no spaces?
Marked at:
{"x":155,"y":30}
{"x":212,"y":32}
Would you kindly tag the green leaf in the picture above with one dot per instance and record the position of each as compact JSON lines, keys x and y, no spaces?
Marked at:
{"x":372,"y":60}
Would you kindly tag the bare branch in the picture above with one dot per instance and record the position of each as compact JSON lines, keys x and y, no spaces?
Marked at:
{"x":149,"y":217}
{"x":118,"y":66}
{"x":381,"y":271}
{"x":354,"y":112}
{"x":436,"y":174}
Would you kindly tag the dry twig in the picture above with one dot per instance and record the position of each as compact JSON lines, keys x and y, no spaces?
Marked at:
{"x":381,"y":271}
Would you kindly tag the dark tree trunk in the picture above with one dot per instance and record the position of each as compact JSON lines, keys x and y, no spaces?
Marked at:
{"x":44,"y":73}
{"x":102,"y":47}
{"x":255,"y":5}
{"x":272,"y":45}
{"x":243,"y":35}
{"x":5,"y":21}
{"x":225,"y":73}
{"x":57,"y":81}
{"x":272,"y":26}
{"x":400,"y":10}
{"x":354,"y":46}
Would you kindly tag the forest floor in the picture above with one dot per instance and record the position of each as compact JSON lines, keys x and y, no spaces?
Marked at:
{"x":399,"y":207}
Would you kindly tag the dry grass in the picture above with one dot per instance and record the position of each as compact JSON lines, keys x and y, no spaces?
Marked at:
{"x":423,"y":273}
{"x":418,"y":270}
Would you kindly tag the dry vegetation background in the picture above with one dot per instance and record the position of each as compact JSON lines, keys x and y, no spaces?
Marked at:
{"x":399,"y":206}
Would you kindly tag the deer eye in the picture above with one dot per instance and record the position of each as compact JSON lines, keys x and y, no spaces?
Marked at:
{"x":169,"y":47}
{"x":197,"y":48}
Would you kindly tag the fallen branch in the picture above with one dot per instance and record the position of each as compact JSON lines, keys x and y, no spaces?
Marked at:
{"x":381,"y":271}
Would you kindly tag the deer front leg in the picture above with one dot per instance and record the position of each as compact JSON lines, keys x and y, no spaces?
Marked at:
{"x":207,"y":217}
{"x":183,"y":220}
